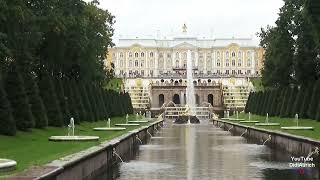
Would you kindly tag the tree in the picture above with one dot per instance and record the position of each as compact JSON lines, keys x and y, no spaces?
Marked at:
{"x":306,"y":101}
{"x":37,"y":106}
{"x":314,"y":101}
{"x":7,"y":121}
{"x":63,"y":100}
{"x":72,"y":101}
{"x":86,"y":102}
{"x":298,"y":102}
{"x":50,"y":99}
{"x":18,"y":98}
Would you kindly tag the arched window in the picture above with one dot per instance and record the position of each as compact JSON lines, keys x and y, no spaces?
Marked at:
{"x":197,"y":99}
{"x":160,"y":55}
{"x":151,"y":63}
{"x":239,"y":62}
{"x":218,"y":54}
{"x":136,"y":63}
{"x":121,"y":54}
{"x":176,"y":98}
{"x":168,"y":55}
{"x":233,"y":54}
{"x":227,"y":54}
{"x":161,"y":100}
{"x":121,"y":63}
{"x":177,"y":63}
{"x":142,"y":63}
{"x":130,"y":63}
{"x":210,"y":99}
{"x":239,"y":54}
{"x":233,"y":62}
{"x":227,"y":62}
{"x":185,"y":55}
{"x":218,"y":62}
{"x":248,"y":53}
{"x":249,"y":62}
{"x":151,"y":54}
{"x":177,"y":54}
{"x":136,"y":54}
{"x":142,"y":54}
{"x":130,"y":54}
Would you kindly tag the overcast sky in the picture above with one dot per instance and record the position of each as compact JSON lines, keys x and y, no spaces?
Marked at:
{"x":204,"y":18}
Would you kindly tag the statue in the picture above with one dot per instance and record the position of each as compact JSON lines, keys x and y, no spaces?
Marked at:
{"x":184,"y":28}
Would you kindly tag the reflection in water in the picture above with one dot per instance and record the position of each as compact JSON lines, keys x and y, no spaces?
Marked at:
{"x":206,"y":152}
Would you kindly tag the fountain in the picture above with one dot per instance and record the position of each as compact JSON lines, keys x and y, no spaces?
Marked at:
{"x":127,"y":122}
{"x":136,"y":121}
{"x":114,"y":152}
{"x":109,"y":128}
{"x":72,"y":137}
{"x":236,"y":119}
{"x":226,"y":115}
{"x":190,"y":115}
{"x":269,"y":138}
{"x":249,"y":121}
{"x":266,"y":123}
{"x":297,"y":127}
{"x":7,"y":165}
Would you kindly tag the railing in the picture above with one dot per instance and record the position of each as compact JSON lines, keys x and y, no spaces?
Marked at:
{"x":174,"y":112}
{"x":185,"y":76}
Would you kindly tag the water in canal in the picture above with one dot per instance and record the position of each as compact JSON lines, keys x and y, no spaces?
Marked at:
{"x":203,"y":151}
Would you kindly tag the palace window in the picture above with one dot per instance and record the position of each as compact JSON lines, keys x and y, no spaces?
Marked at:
{"x":168,"y":55}
{"x":185,"y":55}
{"x":249,"y":62}
{"x":136,"y":63}
{"x":218,"y":62}
{"x":200,"y":55}
{"x":130,"y":63}
{"x":248,"y":71}
{"x":256,"y":62}
{"x":209,"y":55}
{"x":239,"y":62}
{"x":239,"y":72}
{"x":227,"y":72}
{"x":192,"y":55}
{"x":248,"y":54}
{"x":233,"y":72}
{"x":121,"y":63}
{"x":142,"y":54}
{"x":227,"y":63}
{"x":151,"y":54}
{"x":121,"y":54}
{"x":233,"y":62}
{"x":218,"y":54}
{"x":130,"y":54}
{"x":177,"y":55}
{"x":136,"y":54}
{"x":151,"y":63}
{"x":160,"y":55}
{"x":218,"y":72}
{"x":239,"y":54}
{"x":227,"y":54}
{"x":233,"y":54}
{"x":177,"y":63}
{"x":142,"y":72}
{"x":142,"y":63}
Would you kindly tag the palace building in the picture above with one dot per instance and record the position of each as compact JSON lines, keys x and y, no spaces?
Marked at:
{"x":225,"y":61}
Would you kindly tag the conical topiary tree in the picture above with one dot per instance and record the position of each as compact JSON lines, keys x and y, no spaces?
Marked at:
{"x":306,"y":101}
{"x":7,"y":121}
{"x":86,"y":102}
{"x":14,"y":86}
{"x":290,"y":102}
{"x":50,"y":99}
{"x":37,"y":106}
{"x":63,"y":100}
{"x":298,"y":102}
{"x":69,"y":93}
{"x":314,"y":101}
{"x":79,"y":103}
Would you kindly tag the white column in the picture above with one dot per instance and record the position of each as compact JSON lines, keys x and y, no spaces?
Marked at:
{"x":196,"y":54}
{"x":164,"y":61}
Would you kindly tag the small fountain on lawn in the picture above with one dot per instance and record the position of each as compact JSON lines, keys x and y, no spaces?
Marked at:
{"x":297,"y":127}
{"x":267,"y":123}
{"x":72,"y":137}
{"x":7,"y":165}
{"x":136,"y":121}
{"x":249,"y":120}
{"x":237,"y":117}
{"x":129,"y":123}
{"x":109,"y":128}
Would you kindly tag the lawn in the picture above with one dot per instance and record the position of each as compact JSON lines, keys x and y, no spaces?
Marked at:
{"x":313,"y":134}
{"x":33,"y":148}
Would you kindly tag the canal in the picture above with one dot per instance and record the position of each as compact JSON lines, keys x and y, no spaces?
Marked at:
{"x":202,"y":151}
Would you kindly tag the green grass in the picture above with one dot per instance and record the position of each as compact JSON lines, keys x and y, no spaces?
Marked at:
{"x":313,"y":134}
{"x":33,"y":148}
{"x":114,"y":84}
